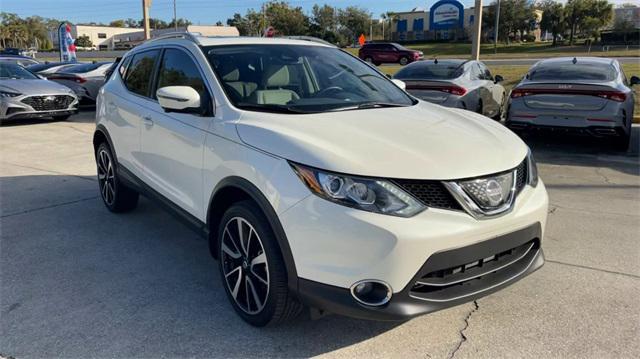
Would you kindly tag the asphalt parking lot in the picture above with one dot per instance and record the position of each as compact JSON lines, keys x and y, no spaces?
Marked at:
{"x":77,"y":281}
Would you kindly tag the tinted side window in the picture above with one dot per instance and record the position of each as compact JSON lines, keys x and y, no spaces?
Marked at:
{"x":140,"y":72}
{"x":122,"y":69}
{"x":178,"y":69}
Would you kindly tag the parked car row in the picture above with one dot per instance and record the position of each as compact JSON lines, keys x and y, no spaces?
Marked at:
{"x":29,"y":89}
{"x":582,"y":95}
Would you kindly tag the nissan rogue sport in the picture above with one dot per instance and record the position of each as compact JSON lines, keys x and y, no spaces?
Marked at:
{"x":318,"y":182}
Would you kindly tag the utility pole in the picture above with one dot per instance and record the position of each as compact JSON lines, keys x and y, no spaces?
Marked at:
{"x":477,"y":27}
{"x":371,"y":29}
{"x":175,"y":18}
{"x":495,"y":28}
{"x":146,"y":4}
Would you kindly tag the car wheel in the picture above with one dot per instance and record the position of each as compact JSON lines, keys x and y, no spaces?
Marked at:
{"x":252,"y":267}
{"x":61,"y":118}
{"x":115,"y":195}
{"x":368,"y":59}
{"x":621,"y":143}
{"x":404,"y":60}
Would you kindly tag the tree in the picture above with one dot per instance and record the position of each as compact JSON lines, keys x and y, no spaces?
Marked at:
{"x":117,"y":23}
{"x":552,"y":18}
{"x":353,"y":21}
{"x":325,"y":19}
{"x":182,"y":23}
{"x":219,"y":23}
{"x":84,"y":41}
{"x":587,"y":16}
{"x":516,"y":17}
{"x":286,"y":20}
{"x":132,"y":23}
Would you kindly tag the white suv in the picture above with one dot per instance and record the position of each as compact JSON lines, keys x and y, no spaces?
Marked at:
{"x":318,"y":182}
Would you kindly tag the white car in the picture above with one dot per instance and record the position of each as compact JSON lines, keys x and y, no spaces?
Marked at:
{"x":318,"y":182}
{"x":84,"y":79}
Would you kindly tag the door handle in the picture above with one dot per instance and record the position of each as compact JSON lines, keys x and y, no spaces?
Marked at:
{"x":147,"y":121}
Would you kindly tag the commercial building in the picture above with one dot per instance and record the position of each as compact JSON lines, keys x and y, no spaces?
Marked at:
{"x":445,"y":20}
{"x":122,"y":38}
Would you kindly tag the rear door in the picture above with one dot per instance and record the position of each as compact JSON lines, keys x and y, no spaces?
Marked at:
{"x":125,"y":106}
{"x":172,"y":143}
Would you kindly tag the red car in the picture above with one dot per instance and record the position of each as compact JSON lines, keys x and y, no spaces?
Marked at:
{"x":379,"y":53}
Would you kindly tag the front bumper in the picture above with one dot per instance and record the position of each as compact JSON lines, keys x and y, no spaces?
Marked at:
{"x":335,"y":247}
{"x":14,"y":109}
{"x":410,"y":302}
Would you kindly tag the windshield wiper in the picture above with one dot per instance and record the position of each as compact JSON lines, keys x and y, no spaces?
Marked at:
{"x":269,"y":108}
{"x":367,"y":105}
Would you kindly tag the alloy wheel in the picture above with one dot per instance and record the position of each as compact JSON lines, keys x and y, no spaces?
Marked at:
{"x":106,"y":177}
{"x":244,"y":265}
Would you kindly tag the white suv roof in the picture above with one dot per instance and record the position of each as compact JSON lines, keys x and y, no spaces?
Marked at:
{"x":234,"y":40}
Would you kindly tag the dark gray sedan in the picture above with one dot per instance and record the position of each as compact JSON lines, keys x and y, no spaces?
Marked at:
{"x":585,"y":94}
{"x":455,"y":83}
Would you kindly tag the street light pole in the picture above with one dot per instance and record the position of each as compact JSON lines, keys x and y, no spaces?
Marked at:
{"x":145,"y":18}
{"x":495,"y":29}
{"x":477,"y":22}
{"x":175,"y":18}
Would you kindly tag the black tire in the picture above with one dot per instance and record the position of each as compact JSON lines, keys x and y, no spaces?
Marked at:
{"x":368,"y":59}
{"x":269,"y":306}
{"x":116,"y":196}
{"x":404,"y":60}
{"x":621,"y":143}
{"x":61,"y":118}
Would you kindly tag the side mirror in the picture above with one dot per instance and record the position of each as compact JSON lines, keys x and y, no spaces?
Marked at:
{"x":183,"y":99}
{"x":399,"y":83}
{"x":634,"y":80}
{"x":498,"y":78}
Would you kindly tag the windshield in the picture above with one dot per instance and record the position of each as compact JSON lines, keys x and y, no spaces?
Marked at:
{"x":589,"y":72}
{"x":301,"y":79}
{"x":13,"y":71}
{"x":431,"y":71}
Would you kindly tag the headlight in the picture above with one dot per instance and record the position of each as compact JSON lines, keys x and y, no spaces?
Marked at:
{"x":5,"y":94}
{"x":368,"y":194}
{"x":532,"y":170}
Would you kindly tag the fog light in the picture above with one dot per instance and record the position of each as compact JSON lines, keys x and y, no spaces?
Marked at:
{"x":371,"y":292}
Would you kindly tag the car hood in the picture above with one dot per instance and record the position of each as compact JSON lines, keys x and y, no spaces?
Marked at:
{"x":34,"y":87}
{"x":424,"y":141}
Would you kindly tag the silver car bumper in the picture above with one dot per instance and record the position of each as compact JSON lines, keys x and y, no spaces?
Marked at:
{"x":28,"y":106}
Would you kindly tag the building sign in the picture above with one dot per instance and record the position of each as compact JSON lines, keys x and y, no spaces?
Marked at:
{"x":445,"y":15}
{"x":66,"y":43}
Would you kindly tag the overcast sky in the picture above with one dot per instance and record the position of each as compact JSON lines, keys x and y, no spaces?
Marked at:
{"x":197,"y":11}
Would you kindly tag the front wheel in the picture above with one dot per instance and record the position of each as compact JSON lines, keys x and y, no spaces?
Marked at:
{"x":252,"y":267}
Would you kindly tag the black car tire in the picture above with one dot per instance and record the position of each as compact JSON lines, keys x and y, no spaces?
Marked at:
{"x":116,"y":196}
{"x":404,"y":60}
{"x":622,"y":142}
{"x":278,"y":305}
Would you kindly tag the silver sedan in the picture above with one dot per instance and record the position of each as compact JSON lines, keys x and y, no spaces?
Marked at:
{"x":455,"y":83}
{"x":582,"y":95}
{"x":25,"y":95}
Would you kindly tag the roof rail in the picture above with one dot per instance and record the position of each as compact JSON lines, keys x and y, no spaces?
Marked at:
{"x":310,"y":38}
{"x":192,"y":36}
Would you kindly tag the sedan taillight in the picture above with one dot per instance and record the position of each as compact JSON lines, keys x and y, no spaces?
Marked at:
{"x":609,"y":95}
{"x":454,"y":90}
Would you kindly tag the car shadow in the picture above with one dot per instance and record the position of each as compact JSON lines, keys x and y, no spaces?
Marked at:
{"x":77,"y":279}
{"x":564,"y":149}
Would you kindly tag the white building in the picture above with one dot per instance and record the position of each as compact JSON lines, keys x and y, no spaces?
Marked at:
{"x":120,"y":38}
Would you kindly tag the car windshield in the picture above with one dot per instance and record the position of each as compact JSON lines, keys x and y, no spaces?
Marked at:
{"x":585,"y":71}
{"x":13,"y":71}
{"x":431,"y":71}
{"x":300,"y":79}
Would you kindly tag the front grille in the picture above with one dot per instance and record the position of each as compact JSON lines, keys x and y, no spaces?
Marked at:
{"x":49,"y":103}
{"x":431,"y":193}
{"x":521,"y":175}
{"x":463,"y":279}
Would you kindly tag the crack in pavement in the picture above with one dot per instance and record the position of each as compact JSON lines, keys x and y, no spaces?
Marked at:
{"x":47,"y":207}
{"x":555,"y":207}
{"x":593,"y":268}
{"x":463,"y":338}
{"x":606,"y":179}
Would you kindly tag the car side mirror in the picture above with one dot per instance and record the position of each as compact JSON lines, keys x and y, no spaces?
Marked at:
{"x":182,"y":99}
{"x":634,"y":80}
{"x":498,"y":78}
{"x":399,"y":83}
